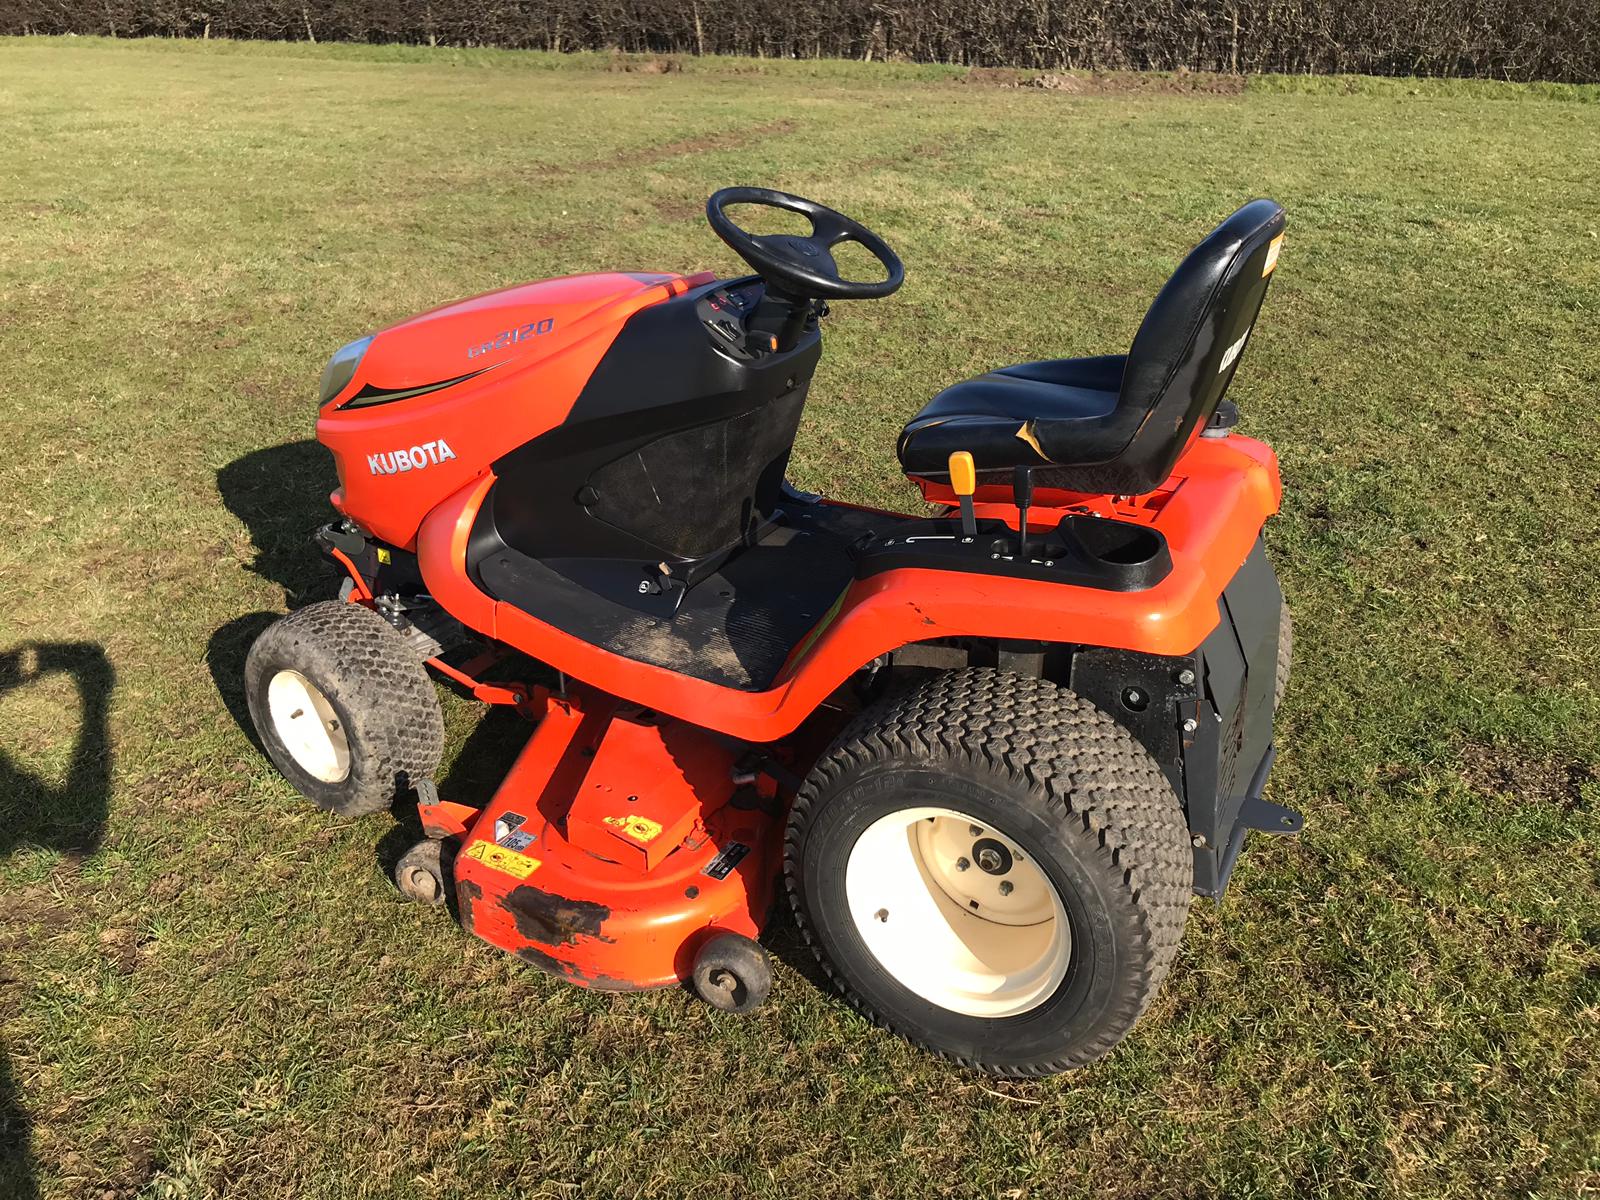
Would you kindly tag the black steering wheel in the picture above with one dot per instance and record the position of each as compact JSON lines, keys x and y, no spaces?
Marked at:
{"x":803,"y":266}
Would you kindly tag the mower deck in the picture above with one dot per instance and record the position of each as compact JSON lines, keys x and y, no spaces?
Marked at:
{"x":617,"y":845}
{"x":735,"y":628}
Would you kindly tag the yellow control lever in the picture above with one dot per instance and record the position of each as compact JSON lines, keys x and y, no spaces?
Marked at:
{"x":963,"y":473}
{"x":964,"y":481}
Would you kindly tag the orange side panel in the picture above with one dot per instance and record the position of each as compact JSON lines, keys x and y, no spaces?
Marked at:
{"x":1210,"y":512}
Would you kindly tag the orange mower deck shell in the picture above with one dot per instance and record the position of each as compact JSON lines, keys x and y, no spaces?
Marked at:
{"x":611,"y":886}
{"x":1210,"y":511}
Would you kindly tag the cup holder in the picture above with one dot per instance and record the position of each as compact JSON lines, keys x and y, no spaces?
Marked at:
{"x":1134,"y":554}
{"x":1115,"y":542}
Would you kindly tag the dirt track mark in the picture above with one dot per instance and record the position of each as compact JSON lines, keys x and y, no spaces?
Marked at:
{"x":1530,"y":778}
{"x":645,"y":156}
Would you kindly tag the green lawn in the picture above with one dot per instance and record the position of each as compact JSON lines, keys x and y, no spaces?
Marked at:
{"x":207,"y":987}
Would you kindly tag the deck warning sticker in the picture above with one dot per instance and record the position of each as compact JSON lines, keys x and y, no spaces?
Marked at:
{"x":509,"y":832}
{"x":723,"y":864}
{"x":640,"y":829}
{"x":498,"y":858}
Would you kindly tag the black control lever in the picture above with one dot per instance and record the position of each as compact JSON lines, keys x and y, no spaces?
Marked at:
{"x":1022,"y":492}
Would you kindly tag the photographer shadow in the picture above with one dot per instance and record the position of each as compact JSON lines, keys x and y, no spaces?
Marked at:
{"x":67,"y":817}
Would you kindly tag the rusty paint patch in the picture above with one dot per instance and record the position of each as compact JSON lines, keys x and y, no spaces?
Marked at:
{"x":551,"y":965}
{"x":466,"y":893}
{"x":554,"y":920}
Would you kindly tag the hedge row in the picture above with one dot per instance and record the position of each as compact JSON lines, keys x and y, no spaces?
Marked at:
{"x":1506,"y":39}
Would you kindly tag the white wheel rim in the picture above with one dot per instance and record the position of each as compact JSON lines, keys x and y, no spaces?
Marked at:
{"x":954,"y":935}
{"x":308,"y":727}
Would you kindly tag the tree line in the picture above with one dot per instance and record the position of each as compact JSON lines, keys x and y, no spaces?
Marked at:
{"x":1503,"y":39}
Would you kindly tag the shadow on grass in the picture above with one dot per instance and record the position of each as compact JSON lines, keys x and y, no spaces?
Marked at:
{"x":225,"y":655}
{"x":68,"y":817}
{"x":281,"y":495}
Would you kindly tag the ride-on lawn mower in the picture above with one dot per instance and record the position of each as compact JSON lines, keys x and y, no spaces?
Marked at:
{"x":991,"y":752}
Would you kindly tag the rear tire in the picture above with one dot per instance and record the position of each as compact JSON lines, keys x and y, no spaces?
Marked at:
{"x":343,"y":707}
{"x":1058,"y":800}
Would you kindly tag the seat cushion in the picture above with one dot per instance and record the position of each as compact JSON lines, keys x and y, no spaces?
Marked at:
{"x":1061,"y":412}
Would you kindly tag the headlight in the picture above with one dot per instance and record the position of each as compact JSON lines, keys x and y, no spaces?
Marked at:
{"x":341,"y":368}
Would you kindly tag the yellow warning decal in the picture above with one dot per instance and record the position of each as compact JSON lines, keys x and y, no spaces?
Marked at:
{"x":500,"y":859}
{"x":1272,"y":255}
{"x":384,"y":556}
{"x":640,"y":829}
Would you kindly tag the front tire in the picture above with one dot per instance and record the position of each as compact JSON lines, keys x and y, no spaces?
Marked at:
{"x":905,"y":834}
{"x":343,"y":707}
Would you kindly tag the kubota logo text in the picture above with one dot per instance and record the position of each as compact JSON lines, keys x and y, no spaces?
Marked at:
{"x":394,"y":461}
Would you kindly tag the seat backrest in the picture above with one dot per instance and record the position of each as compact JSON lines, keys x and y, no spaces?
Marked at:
{"x":1191,"y":340}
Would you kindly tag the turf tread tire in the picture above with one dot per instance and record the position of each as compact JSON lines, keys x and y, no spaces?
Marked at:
{"x":377,"y":685}
{"x":1052,"y":745}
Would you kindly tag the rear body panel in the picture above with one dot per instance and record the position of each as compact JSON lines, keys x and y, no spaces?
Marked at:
{"x":1206,"y":717}
{"x":1210,"y":513}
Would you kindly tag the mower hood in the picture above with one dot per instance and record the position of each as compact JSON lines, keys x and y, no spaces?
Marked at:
{"x":450,"y":344}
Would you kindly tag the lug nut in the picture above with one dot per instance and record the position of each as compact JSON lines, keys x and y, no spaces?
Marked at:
{"x":882,"y":915}
{"x":974,"y":830}
{"x":989,"y":859}
{"x":1005,"y":887}
{"x":962,"y":864}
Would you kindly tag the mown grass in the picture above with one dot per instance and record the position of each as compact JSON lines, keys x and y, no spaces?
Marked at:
{"x":208,"y":988}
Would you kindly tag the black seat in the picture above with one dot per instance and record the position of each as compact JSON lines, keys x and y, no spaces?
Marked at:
{"x":1116,"y":423}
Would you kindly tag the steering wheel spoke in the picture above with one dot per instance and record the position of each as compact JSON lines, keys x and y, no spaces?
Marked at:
{"x":829,"y":228}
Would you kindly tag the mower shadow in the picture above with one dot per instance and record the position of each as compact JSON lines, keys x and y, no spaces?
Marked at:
{"x":225,"y":655}
{"x":784,"y":942}
{"x":68,"y":817}
{"x":281,"y":495}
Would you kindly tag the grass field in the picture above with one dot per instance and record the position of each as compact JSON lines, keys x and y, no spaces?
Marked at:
{"x":208,"y":988}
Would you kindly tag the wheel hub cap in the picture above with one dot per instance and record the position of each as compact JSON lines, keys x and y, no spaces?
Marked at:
{"x":308,"y":727}
{"x":991,"y":942}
